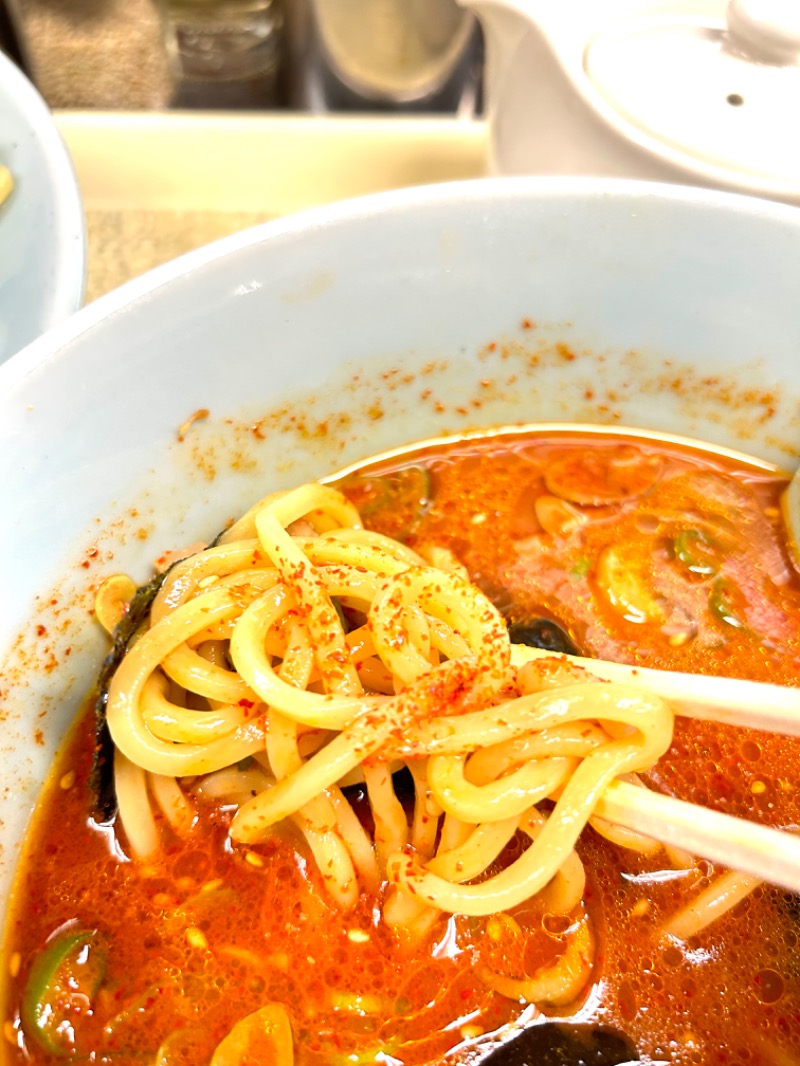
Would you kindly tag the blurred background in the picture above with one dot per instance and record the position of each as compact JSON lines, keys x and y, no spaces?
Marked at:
{"x":189,"y":120}
{"x":298,"y":55}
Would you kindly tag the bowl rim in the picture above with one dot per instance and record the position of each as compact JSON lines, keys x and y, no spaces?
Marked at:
{"x":483,"y":190}
{"x":470,"y":201}
{"x":70,"y":231}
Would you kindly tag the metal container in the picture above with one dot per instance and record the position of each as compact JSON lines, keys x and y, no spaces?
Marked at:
{"x":399,"y":51}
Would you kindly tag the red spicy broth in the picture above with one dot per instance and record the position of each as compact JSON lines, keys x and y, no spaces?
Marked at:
{"x":644,"y":552}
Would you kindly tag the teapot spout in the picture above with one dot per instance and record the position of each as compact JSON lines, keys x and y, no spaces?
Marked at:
{"x":507,"y":18}
{"x":505,"y":24}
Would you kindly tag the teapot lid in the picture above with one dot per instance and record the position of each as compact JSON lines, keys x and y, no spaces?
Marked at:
{"x":726,"y":94}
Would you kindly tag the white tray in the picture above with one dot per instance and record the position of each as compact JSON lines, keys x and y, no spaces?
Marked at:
{"x":156,"y":184}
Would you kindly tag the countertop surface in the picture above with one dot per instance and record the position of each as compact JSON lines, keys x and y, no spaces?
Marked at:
{"x":158,"y":184}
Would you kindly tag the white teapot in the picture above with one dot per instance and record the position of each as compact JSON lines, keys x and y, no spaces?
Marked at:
{"x":695,"y":91}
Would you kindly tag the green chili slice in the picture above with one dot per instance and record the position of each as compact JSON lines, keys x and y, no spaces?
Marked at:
{"x":400,"y":497}
{"x":63,"y":979}
{"x":719,"y":601}
{"x":695,"y":549}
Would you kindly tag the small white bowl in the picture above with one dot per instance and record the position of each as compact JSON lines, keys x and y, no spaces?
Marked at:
{"x":42,"y":230}
{"x":327,"y":337}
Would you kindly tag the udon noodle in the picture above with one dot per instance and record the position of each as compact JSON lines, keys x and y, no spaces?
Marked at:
{"x":350,"y":655}
{"x":353,"y":807}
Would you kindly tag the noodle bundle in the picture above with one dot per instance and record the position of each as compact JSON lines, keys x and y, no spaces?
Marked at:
{"x":345,"y":811}
{"x":302,"y":654}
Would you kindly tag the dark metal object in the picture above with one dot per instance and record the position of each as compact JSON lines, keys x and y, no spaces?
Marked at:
{"x":543,"y":633}
{"x":331,"y":68}
{"x":559,"y":1044}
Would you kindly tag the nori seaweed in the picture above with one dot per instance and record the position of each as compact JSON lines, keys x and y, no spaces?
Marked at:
{"x":101,"y":780}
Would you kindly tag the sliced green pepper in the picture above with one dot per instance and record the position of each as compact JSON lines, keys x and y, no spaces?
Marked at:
{"x":398,"y":497}
{"x":719,"y":602}
{"x":184,"y":1047}
{"x":142,"y":1002}
{"x":695,"y":550}
{"x":582,"y":566}
{"x":65,"y":976}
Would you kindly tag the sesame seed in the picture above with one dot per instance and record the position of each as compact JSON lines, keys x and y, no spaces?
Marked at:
{"x":471,"y":1032}
{"x":196,"y":937}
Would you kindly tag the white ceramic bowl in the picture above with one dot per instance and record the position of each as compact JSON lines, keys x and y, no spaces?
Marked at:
{"x":327,"y":337}
{"x":42,"y":232}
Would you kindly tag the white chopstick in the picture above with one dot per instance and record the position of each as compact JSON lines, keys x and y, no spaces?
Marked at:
{"x":770,"y":854}
{"x":748,"y":704}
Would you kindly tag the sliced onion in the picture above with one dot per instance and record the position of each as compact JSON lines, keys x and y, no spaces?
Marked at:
{"x":595,"y":477}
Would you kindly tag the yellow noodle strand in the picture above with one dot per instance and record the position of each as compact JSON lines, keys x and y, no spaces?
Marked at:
{"x":500,"y":799}
{"x":135,"y":813}
{"x":248,"y":652}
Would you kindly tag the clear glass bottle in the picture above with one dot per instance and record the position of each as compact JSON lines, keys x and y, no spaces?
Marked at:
{"x":223,"y":40}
